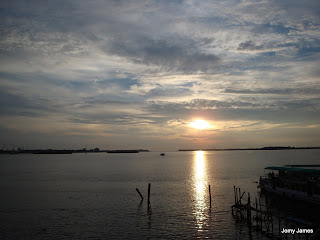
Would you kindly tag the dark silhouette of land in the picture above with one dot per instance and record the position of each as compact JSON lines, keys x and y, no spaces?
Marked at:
{"x":67,"y":151}
{"x":239,"y":149}
{"x":96,"y":150}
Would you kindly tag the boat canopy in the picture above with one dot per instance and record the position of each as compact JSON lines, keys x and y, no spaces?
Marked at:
{"x":311,"y":166}
{"x":294,"y":169}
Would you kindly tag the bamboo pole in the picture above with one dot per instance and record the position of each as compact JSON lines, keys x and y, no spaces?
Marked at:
{"x":279,"y":219}
{"x":286,"y":227}
{"x":139,"y":194}
{"x":249,"y":211}
{"x":257,"y":213}
{"x":149,"y":187}
{"x":272,"y":223}
{"x":236,"y":195}
{"x":260,"y":213}
{"x":149,"y":205}
{"x":210,"y":194}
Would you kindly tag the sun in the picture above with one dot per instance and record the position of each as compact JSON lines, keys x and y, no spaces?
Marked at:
{"x":199,"y":124}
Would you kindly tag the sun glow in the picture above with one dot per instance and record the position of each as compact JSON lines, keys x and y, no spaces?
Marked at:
{"x":199,"y":124}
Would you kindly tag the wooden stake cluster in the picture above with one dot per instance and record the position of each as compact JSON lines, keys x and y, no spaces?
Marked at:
{"x":266,"y":220}
{"x":149,"y":190}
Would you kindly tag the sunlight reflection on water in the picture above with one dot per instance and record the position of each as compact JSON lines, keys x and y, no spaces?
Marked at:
{"x":200,"y":183}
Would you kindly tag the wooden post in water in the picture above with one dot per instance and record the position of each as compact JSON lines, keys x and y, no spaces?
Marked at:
{"x":260,"y":214}
{"x":249,"y":211}
{"x":271,"y":223}
{"x":239,"y":196}
{"x":149,"y":209}
{"x":236,"y":195}
{"x":149,"y":186}
{"x":279,"y":219}
{"x":210,"y":194}
{"x":286,"y":227}
{"x":234,"y":192}
{"x":293,"y":226}
{"x":139,"y":194}
{"x":257,"y":213}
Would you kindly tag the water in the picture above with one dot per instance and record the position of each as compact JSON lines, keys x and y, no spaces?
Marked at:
{"x":93,"y":196}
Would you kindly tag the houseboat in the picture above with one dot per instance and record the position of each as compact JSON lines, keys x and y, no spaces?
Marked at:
{"x":299,"y":182}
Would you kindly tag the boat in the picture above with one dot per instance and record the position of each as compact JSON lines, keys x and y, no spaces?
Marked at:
{"x":162,"y":154}
{"x":298,"y":182}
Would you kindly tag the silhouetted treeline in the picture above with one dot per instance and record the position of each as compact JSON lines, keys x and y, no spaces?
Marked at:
{"x":59,"y":151}
{"x":237,"y":149}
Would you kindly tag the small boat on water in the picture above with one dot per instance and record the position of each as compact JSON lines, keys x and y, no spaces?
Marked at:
{"x":299,"y":182}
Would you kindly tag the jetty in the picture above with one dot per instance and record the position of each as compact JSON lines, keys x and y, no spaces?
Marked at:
{"x":270,"y":218}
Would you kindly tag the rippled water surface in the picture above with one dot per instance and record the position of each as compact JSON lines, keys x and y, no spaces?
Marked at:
{"x":93,"y":196}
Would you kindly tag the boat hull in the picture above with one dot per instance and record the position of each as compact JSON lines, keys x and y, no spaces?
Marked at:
{"x":291,"y":194}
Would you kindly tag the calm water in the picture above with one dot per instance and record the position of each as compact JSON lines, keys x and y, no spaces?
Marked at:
{"x":93,"y":196}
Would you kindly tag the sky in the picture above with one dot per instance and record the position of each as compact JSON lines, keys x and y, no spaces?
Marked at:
{"x":133,"y":74}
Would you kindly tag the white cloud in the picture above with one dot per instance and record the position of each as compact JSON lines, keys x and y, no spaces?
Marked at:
{"x":147,"y":63}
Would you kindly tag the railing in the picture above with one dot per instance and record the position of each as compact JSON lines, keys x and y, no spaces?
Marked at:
{"x":267,"y":218}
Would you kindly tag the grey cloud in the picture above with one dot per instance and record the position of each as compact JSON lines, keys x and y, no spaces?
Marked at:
{"x":315,"y":72}
{"x":184,"y":56}
{"x":306,"y":91}
{"x":104,"y":100}
{"x":113,"y":118}
{"x":312,"y":104}
{"x":272,"y":28}
{"x":165,"y":107}
{"x":251,"y":109}
{"x":160,"y":91}
{"x":19,"y":105}
{"x":249,"y":45}
{"x":124,"y":83}
{"x":104,"y":119}
{"x":309,"y":49}
{"x":297,"y":8}
{"x":198,"y":104}
{"x":85,"y":121}
{"x":213,"y":104}
{"x":207,"y":41}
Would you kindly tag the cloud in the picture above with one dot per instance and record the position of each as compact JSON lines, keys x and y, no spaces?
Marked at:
{"x":251,"y":109}
{"x":18,"y":105}
{"x":249,"y":45}
{"x":145,"y":67}
{"x":285,"y":91}
{"x":169,"y":56}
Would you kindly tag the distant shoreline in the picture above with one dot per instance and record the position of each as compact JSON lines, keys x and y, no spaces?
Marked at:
{"x":246,"y":149}
{"x":69,"y":151}
{"x":96,"y":150}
